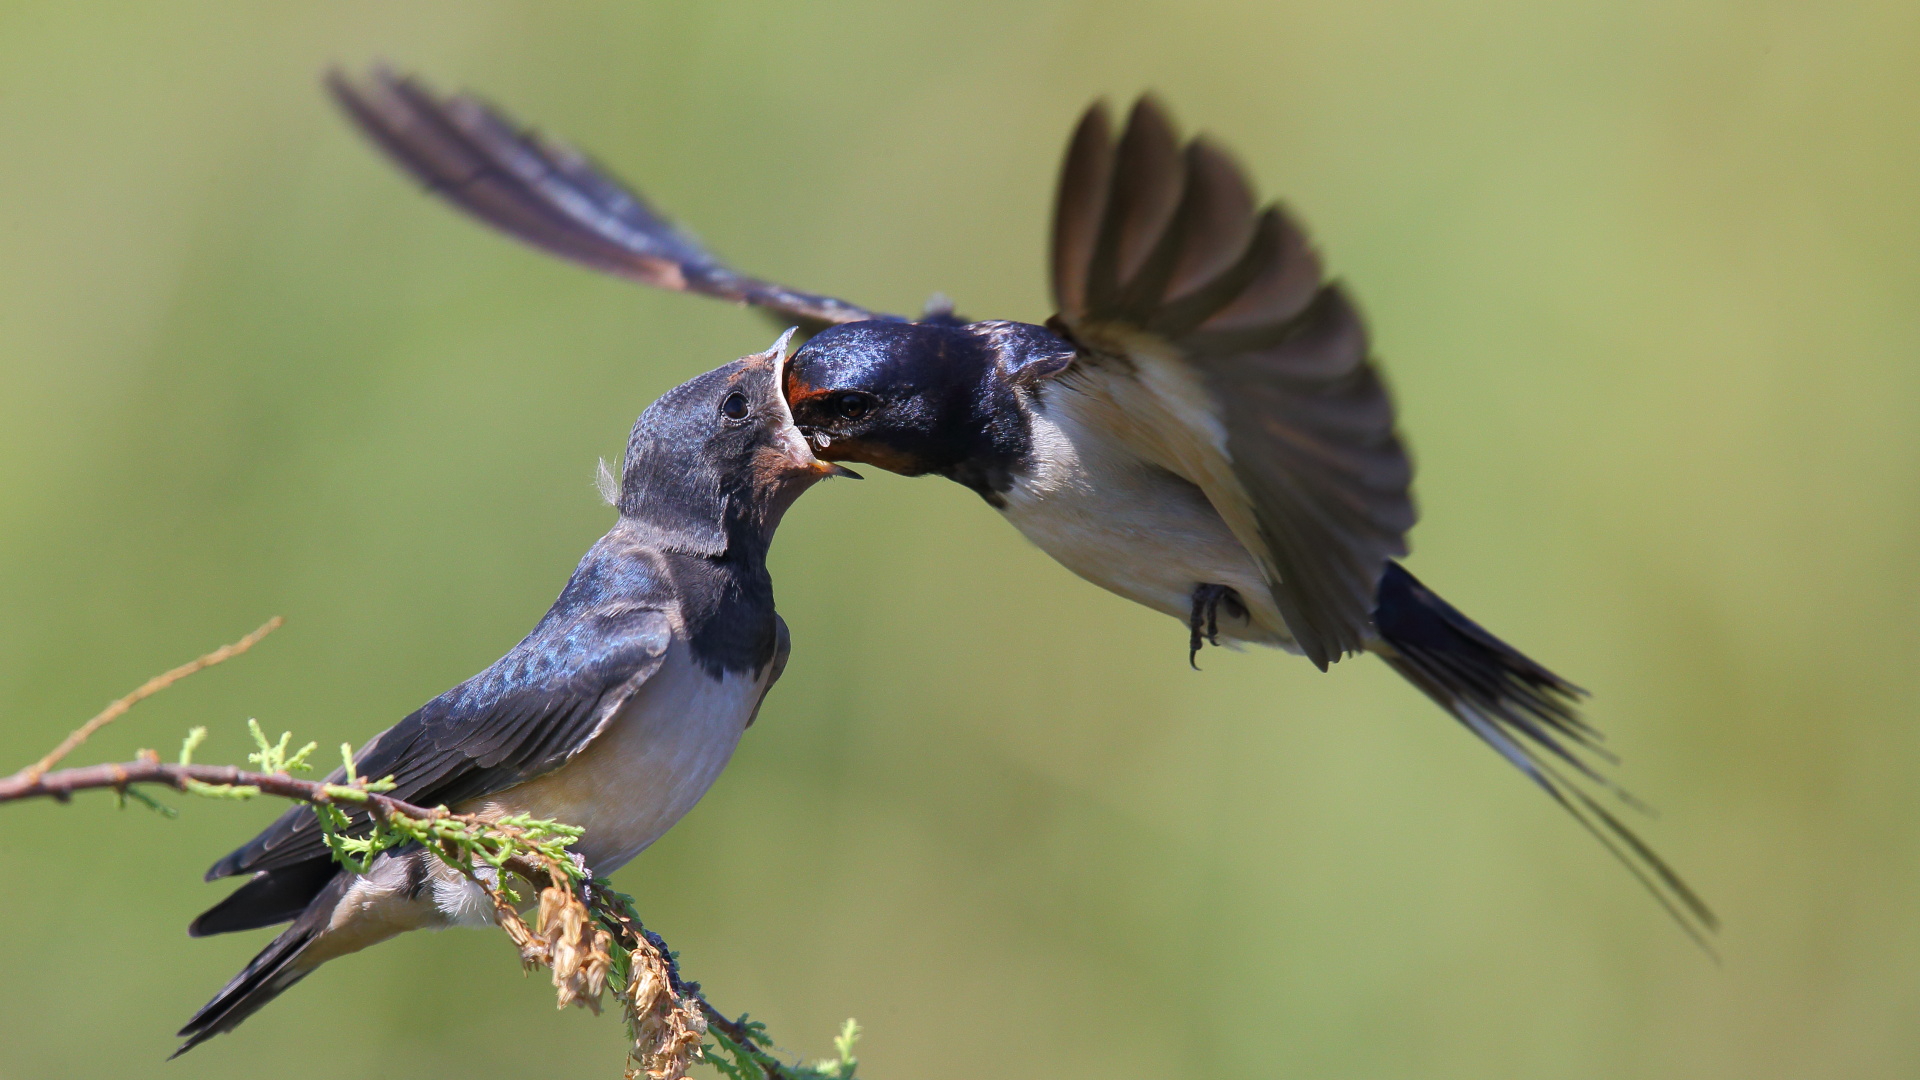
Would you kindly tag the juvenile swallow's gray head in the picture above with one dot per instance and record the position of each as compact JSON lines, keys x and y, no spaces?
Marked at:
{"x":718,"y":454}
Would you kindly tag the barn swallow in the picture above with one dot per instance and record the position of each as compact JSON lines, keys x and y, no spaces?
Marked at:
{"x":1200,"y":427}
{"x":615,"y":714}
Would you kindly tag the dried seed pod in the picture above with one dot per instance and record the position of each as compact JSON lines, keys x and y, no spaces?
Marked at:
{"x":667,"y":1029}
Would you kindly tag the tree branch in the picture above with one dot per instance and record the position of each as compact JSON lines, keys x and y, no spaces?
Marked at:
{"x":147,"y":689}
{"x":149,"y":769}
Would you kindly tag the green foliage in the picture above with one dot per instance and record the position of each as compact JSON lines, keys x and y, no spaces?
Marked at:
{"x":273,"y":758}
{"x":842,"y":1067}
{"x":269,"y":758}
{"x":740,"y":1062}
{"x":735,"y":1061}
{"x":145,"y":800}
{"x":210,"y":791}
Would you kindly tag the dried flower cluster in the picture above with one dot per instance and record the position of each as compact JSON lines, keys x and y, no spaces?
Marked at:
{"x":580,"y":952}
{"x":668,"y":1029}
{"x":666,"y":1025}
{"x":564,"y":938}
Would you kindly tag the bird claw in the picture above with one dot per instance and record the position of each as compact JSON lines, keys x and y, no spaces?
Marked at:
{"x":1203,"y":626}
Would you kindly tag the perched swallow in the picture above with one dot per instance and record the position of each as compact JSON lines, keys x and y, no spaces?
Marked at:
{"x":615,"y":714}
{"x":1200,"y":428}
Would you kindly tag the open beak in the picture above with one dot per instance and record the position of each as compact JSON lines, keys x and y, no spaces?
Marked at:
{"x":834,"y":468}
{"x":798,"y":450}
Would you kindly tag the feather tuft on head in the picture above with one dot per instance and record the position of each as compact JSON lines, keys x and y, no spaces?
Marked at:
{"x":607,"y":483}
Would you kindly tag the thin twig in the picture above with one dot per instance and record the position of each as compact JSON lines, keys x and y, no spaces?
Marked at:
{"x":151,"y":770}
{"x":147,"y":689}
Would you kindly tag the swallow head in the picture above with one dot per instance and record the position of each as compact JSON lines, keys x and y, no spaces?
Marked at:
{"x":721,"y":450}
{"x":928,"y":397}
{"x":905,"y":397}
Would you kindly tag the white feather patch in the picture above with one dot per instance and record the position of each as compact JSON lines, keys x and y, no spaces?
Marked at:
{"x":607,"y":484}
{"x":460,"y":901}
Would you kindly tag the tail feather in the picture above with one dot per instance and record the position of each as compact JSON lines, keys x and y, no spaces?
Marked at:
{"x":1528,"y":715}
{"x":266,"y":976}
{"x":262,"y":980}
{"x":272,"y":896}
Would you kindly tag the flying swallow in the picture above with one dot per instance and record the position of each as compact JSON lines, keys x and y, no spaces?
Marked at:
{"x":1200,"y":428}
{"x":616,"y":713}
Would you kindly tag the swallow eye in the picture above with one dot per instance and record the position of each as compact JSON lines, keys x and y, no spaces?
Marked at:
{"x":735,"y":407}
{"x":853,"y":406}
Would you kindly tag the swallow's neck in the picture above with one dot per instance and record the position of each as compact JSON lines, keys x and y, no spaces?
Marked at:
{"x":724,"y":594}
{"x":694,"y":511}
{"x":996,"y":444}
{"x":726,"y":602}
{"x":990,"y":449}
{"x":748,"y":523}
{"x":681,"y":506}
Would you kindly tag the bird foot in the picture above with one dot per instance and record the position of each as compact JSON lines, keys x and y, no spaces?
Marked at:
{"x":1203,"y":626}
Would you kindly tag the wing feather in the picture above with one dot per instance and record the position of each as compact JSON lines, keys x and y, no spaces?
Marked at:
{"x":551,"y":196}
{"x":1217,"y":223}
{"x":1144,"y":186}
{"x":1287,"y":281}
{"x":1082,"y":203}
{"x":1249,"y":373}
{"x":527,"y":714}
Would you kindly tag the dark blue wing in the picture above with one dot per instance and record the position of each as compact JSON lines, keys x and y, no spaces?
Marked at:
{"x":549,"y":195}
{"x":525,"y":715}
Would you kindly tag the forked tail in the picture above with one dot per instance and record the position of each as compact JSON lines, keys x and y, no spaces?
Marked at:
{"x":267,"y":975}
{"x":1526,"y":713}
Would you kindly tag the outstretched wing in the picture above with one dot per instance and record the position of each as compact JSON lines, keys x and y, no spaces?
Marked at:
{"x":536,"y":707}
{"x":551,"y":196}
{"x":1237,"y":365}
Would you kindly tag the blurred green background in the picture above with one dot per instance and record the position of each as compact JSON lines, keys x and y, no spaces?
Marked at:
{"x":1646,"y":277}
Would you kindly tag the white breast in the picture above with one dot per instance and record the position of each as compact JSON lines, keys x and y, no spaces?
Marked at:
{"x":1126,"y":525}
{"x":649,"y":766}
